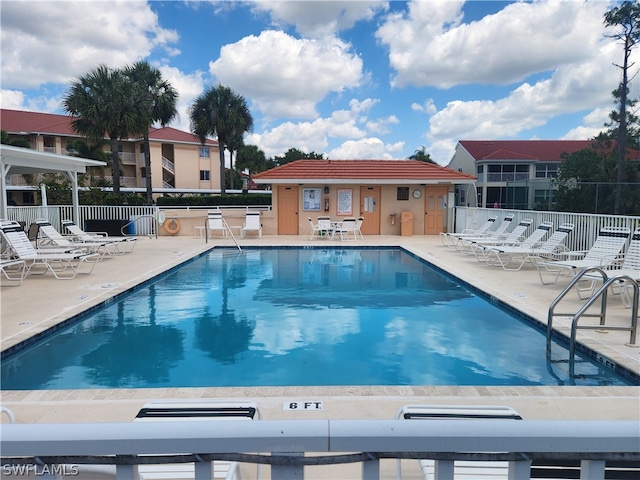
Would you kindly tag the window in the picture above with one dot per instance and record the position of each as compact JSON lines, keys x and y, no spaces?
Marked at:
{"x":546,"y":170}
{"x":205,"y":175}
{"x":506,"y":173}
{"x":403,"y":193}
{"x":204,"y":152}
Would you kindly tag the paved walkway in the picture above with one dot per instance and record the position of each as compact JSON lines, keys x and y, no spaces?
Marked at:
{"x":43,"y":301}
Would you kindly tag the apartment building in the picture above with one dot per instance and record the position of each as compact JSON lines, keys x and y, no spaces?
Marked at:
{"x":179,"y":162}
{"x":511,"y":173}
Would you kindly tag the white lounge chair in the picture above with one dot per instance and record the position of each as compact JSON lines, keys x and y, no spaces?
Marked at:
{"x":525,"y":252}
{"x":533,"y":240}
{"x":13,"y":270}
{"x":497,"y":234}
{"x":629,"y":267}
{"x":200,"y":411}
{"x":603,"y":253}
{"x":121,"y":244}
{"x":449,"y":239}
{"x":513,"y":238}
{"x":215,"y":223}
{"x":63,"y":266}
{"x":252,"y":224}
{"x":49,"y":237}
{"x":460,"y":469}
{"x":359,"y":223}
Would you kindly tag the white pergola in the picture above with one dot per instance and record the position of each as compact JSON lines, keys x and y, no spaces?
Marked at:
{"x":16,"y":160}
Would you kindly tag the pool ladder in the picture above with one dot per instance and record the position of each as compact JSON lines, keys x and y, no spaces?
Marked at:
{"x":600,"y":294}
{"x":206,"y":233}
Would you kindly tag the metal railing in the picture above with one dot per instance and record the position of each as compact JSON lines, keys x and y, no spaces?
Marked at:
{"x":332,"y":443}
{"x":609,"y":279}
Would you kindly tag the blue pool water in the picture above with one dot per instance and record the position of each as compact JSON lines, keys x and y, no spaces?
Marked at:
{"x":283,"y":317}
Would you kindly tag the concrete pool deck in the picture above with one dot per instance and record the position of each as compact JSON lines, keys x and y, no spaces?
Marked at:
{"x":43,"y":301}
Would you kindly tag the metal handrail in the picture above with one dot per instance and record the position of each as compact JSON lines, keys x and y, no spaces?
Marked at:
{"x":600,"y":294}
{"x":206,"y":232}
{"x":132,"y":222}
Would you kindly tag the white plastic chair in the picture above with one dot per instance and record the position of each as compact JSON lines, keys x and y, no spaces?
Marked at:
{"x":252,"y":224}
{"x":215,"y":223}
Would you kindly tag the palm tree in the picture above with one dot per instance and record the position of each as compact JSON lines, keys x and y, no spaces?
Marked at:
{"x":422,"y":155}
{"x":160,"y":101}
{"x":104,"y":101}
{"x":220,"y":112}
{"x":251,"y":158}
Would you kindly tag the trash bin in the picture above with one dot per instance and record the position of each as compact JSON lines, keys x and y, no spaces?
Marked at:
{"x":406,"y":224}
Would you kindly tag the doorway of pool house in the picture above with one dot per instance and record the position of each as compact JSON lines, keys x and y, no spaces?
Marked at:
{"x":370,"y":210}
{"x":287,"y":210}
{"x":434,"y":209}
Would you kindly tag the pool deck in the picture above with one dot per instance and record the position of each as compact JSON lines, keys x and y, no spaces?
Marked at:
{"x":43,"y":301}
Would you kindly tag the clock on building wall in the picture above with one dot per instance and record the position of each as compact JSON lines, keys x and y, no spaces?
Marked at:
{"x":417,"y":193}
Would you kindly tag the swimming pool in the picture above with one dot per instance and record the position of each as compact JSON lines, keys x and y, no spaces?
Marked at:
{"x":297,"y":316}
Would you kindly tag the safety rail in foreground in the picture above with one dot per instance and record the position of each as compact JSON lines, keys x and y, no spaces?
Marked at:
{"x":599,"y":295}
{"x":593,"y":444}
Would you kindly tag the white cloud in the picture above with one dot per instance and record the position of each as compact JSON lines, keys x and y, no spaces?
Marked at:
{"x":366,"y":148}
{"x":427,"y":107}
{"x":318,"y":19}
{"x":12,"y":99}
{"x":592,"y":124}
{"x":189,"y":86}
{"x":284,"y":76}
{"x":429,"y":44}
{"x":316,"y":135}
{"x":53,"y":42}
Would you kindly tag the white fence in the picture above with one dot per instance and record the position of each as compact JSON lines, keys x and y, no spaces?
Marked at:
{"x":528,"y":445}
{"x":586,"y":225}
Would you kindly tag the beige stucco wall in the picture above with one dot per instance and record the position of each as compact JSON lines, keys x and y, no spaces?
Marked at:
{"x":190,"y":220}
{"x":389,"y":224}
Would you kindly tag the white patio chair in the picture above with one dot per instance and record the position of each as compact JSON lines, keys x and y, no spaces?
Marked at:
{"x":603,"y":253}
{"x":497,"y":234}
{"x":525,"y":252}
{"x":49,"y":237}
{"x":63,"y":266}
{"x":346,"y":229}
{"x":252,"y":224}
{"x":198,"y":411}
{"x":629,"y":267}
{"x":531,"y":241}
{"x":516,"y":236}
{"x":215,"y":223}
{"x":120,"y":245}
{"x":449,"y":239}
{"x":13,"y":270}
{"x":460,"y":469}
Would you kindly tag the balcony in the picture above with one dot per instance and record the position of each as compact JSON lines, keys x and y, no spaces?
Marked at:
{"x":168,"y":165}
{"x":127,"y":158}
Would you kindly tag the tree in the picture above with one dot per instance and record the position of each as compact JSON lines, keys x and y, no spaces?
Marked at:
{"x":627,"y":18}
{"x":422,"y":155}
{"x":294,"y":154}
{"x":221,"y":113}
{"x":105,"y":101}
{"x":252,"y":159}
{"x":234,"y":145}
{"x":159,"y":99}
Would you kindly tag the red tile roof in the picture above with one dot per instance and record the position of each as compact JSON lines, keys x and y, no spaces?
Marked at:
{"x":361,"y":171}
{"x":22,"y":122}
{"x":542,"y":150}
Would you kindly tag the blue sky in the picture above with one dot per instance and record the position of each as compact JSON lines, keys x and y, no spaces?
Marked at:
{"x":359,"y":79}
